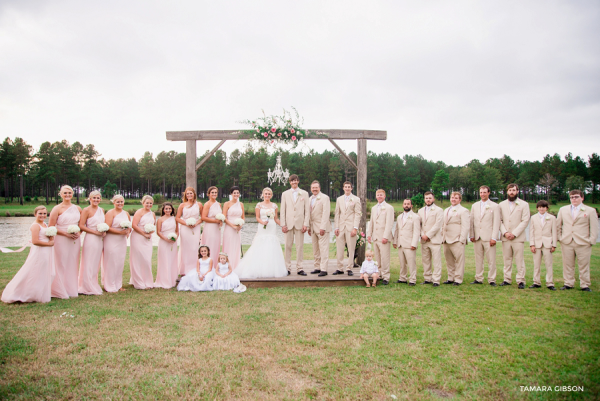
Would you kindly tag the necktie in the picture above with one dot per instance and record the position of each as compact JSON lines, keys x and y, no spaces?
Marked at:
{"x":425,"y":213}
{"x":573,"y":212}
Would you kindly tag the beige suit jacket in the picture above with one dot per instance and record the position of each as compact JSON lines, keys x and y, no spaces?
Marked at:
{"x":432,"y":228}
{"x":542,"y":236}
{"x":407,"y":231}
{"x":295,"y":214}
{"x":514,"y":222}
{"x":381,"y":223}
{"x":456,"y":224}
{"x":319,"y":213}
{"x":485,"y":226}
{"x":583,"y":230}
{"x":347,"y":216}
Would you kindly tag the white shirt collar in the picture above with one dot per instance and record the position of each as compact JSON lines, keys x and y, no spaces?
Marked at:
{"x":573,"y":207}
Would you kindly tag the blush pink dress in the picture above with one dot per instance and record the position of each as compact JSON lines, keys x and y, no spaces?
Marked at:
{"x":189,"y":240}
{"x":211,"y":236}
{"x":113,"y":260}
{"x":166,"y":272}
{"x":32,"y":282}
{"x":66,"y":256}
{"x":232,"y":238}
{"x":140,"y":256}
{"x":91,"y":256}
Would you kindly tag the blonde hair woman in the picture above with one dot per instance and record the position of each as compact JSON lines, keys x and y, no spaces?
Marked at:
{"x":93,"y":245}
{"x":66,"y":245}
{"x":189,"y":234}
{"x":115,"y":246}
{"x":140,"y":250}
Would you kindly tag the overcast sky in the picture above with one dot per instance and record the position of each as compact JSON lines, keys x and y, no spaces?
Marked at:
{"x":452,"y":81}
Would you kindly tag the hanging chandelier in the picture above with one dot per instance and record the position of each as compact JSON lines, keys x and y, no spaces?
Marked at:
{"x":278,"y":174}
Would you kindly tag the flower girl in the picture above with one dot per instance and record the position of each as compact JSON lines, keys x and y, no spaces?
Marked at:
{"x":225,"y":278}
{"x":201,"y":278}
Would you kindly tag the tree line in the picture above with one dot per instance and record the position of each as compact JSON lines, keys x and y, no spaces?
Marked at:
{"x":28,"y":174}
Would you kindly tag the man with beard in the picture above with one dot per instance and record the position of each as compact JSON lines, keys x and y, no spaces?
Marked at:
{"x":485,"y":225}
{"x":406,"y":239}
{"x":514,"y":218}
{"x":454,"y":236}
{"x":431,"y":218}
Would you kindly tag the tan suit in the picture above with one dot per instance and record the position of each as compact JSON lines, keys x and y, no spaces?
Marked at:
{"x":294,"y":215}
{"x":406,"y":236}
{"x":577,"y":236}
{"x":319,"y":220}
{"x":514,"y":222}
{"x":431,"y":251}
{"x":542,"y":235}
{"x":485,"y":227}
{"x":454,"y":236}
{"x":347,"y":217}
{"x":380,"y":227}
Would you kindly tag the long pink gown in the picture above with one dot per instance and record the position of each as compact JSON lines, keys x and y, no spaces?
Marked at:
{"x":66,"y":256}
{"x":231,"y":237}
{"x":140,"y":256}
{"x":211,"y":236}
{"x":166,"y":272}
{"x":113,"y":260}
{"x":91,"y":256}
{"x":33,"y":281}
{"x":189,"y":240}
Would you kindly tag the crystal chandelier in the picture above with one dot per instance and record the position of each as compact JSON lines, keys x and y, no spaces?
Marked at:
{"x":278,"y":174}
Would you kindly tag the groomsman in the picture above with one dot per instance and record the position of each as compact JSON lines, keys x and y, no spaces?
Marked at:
{"x":380,"y":233}
{"x":406,"y":239}
{"x":514,"y":217}
{"x":346,"y":220}
{"x":485,"y":226}
{"x":295,"y":215}
{"x":577,"y":227}
{"x":454,"y":236}
{"x":320,"y":227}
{"x":431,"y":240}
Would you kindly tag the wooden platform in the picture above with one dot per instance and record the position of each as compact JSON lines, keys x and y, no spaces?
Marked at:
{"x":310,"y":280}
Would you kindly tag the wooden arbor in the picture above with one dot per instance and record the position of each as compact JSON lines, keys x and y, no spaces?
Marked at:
{"x":361,"y":136}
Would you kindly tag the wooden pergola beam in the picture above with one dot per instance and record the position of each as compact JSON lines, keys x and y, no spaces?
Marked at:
{"x":212,"y":152}
{"x":344,"y":154}
{"x":236,"y":134}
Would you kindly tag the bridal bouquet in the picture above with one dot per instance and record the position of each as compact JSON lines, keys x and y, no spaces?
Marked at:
{"x":149,"y":228}
{"x":73,"y":229}
{"x":51,"y":231}
{"x":125,"y":224}
{"x":270,"y":214}
{"x":190,"y":223}
{"x":172,"y":237}
{"x":220,"y":217}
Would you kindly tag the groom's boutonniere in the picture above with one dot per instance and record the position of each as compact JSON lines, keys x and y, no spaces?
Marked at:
{"x":547,"y":217}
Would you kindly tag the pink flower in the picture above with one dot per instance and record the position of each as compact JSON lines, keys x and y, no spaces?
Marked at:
{"x":272,"y":141}
{"x":273,"y":130}
{"x":265,"y":134}
{"x":279,"y":134}
{"x":293,"y":138}
{"x":292,"y":131}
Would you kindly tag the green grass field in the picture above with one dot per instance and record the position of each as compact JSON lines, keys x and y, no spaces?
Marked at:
{"x":415,"y":343}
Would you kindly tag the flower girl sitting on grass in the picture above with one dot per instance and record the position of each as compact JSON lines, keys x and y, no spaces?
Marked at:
{"x":369,"y":268}
{"x":200,"y":278}
{"x":225,"y":278}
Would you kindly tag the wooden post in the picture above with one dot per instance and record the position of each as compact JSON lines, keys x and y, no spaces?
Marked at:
{"x":191,"y":179}
{"x":361,"y":190}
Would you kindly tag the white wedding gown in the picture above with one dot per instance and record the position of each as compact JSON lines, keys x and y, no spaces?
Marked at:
{"x":265,"y":257}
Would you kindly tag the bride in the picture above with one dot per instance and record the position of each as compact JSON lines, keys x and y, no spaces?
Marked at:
{"x":265,"y":257}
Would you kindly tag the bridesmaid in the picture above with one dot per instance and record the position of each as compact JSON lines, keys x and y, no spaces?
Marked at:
{"x":233,"y":210}
{"x":211,"y":236}
{"x":33,"y":281}
{"x":115,"y":245}
{"x":189,"y":239}
{"x":93,"y":244}
{"x":140,"y":251}
{"x":166,"y":272}
{"x":66,"y":246}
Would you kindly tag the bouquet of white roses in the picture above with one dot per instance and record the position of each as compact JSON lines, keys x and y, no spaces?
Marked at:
{"x":73,"y":229}
{"x":149,"y":228}
{"x":190,"y":223}
{"x":102,"y":227}
{"x":51,"y":231}
{"x":125,"y":224}
{"x":239,"y":222}
{"x":172,"y":237}
{"x":220,"y":217}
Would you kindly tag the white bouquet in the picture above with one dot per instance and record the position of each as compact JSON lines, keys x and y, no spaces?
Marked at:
{"x":172,"y":237}
{"x":239,"y":222}
{"x":102,"y":227}
{"x":149,"y":228}
{"x":270,"y":213}
{"x":51,"y":231}
{"x":190,"y":222}
{"x":73,"y":229}
{"x":220,"y":216}
{"x":125,"y":224}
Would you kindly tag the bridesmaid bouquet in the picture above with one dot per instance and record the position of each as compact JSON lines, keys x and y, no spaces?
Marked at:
{"x":172,"y":237}
{"x":239,"y":222}
{"x":125,"y":224}
{"x":149,"y":228}
{"x":220,"y":216}
{"x":190,"y":223}
{"x":51,"y":231}
{"x":73,"y":229}
{"x":269,"y":213}
{"x":102,"y":228}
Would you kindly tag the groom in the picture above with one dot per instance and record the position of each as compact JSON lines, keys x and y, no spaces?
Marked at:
{"x":295,"y":215}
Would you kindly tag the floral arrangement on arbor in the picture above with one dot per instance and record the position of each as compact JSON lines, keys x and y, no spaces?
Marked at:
{"x":278,"y":130}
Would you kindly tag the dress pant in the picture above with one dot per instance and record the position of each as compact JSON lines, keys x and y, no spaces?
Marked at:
{"x":513,"y":250}
{"x":297,"y":236}
{"x":483,"y":251}
{"x":341,"y":240}
{"x":432,"y":253}
{"x":455,"y":261}
{"x":382,"y":256}
{"x":320,"y":250}
{"x":537,"y":266}
{"x":583,"y":253}
{"x":408,"y":264}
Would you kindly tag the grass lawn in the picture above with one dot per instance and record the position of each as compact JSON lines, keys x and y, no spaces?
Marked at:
{"x":467,"y":342}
